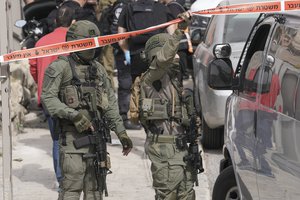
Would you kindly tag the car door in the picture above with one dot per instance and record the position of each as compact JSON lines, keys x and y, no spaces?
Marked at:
{"x":278,"y":138}
{"x":245,"y":111}
{"x":243,"y":140}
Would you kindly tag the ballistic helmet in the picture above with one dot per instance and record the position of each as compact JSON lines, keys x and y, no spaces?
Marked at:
{"x":154,"y":44}
{"x":80,"y":30}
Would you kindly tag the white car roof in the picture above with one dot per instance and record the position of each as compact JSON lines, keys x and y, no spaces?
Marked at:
{"x":204,"y":4}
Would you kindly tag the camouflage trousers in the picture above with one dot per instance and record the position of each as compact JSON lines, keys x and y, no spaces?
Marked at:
{"x":78,"y":176}
{"x":107,"y":59}
{"x":172,"y":178}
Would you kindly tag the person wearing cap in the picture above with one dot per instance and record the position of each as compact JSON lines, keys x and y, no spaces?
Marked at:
{"x":77,"y":91}
{"x":165,"y":109}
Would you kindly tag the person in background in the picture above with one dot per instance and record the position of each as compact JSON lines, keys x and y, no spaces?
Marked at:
{"x":124,"y":74}
{"x":64,"y":18}
{"x":83,"y":10}
{"x":185,"y":50}
{"x":106,"y":58}
{"x":135,"y":16}
{"x":139,"y":15}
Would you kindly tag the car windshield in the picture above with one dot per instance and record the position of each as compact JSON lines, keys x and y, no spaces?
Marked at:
{"x":237,"y":27}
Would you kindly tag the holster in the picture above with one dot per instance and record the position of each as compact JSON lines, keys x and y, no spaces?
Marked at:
{"x":84,"y":141}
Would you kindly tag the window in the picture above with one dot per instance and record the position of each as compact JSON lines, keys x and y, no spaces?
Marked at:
{"x":238,"y":27}
{"x":253,"y":74}
{"x":252,"y":64}
{"x":210,"y":32}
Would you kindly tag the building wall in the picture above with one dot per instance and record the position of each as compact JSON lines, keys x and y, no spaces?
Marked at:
{"x":17,"y":9}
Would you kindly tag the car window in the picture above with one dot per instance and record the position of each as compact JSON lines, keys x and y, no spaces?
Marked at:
{"x":252,"y":64}
{"x":285,"y":48}
{"x":237,"y":27}
{"x":210,"y":32}
{"x":253,"y":73}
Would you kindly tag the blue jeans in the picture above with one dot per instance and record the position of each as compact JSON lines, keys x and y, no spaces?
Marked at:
{"x":55,"y":146}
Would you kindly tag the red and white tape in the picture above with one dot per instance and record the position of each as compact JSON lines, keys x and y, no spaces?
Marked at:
{"x":90,"y":43}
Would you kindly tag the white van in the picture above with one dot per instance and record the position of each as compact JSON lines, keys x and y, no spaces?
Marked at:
{"x":202,"y":5}
{"x":200,"y":22}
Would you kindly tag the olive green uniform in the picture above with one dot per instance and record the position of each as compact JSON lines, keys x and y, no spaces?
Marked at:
{"x":163,"y":112}
{"x":77,"y":91}
{"x":106,"y":57}
{"x":78,"y":174}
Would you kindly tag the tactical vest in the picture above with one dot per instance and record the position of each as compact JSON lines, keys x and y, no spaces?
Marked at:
{"x":85,"y":88}
{"x":161,"y":106}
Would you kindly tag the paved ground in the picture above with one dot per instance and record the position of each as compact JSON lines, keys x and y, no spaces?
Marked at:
{"x":33,"y":176}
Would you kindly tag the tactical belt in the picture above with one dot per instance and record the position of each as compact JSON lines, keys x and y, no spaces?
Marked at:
{"x":162,"y":138}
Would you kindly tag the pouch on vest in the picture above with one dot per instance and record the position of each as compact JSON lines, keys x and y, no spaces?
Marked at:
{"x":71,"y":97}
{"x":102,"y":97}
{"x":134,"y":100}
{"x":154,"y":109}
{"x":185,"y":121}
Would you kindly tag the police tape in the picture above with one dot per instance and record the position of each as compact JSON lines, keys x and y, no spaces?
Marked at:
{"x":260,"y":7}
{"x":90,"y":43}
{"x":77,"y":45}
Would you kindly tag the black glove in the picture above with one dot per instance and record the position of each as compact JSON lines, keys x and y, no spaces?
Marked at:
{"x":125,"y":140}
{"x":186,"y":16}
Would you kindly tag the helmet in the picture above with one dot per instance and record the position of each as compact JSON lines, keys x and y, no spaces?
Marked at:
{"x":80,"y":30}
{"x":154,"y":44}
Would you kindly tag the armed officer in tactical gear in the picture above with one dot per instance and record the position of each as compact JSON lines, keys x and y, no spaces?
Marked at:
{"x":77,"y":91}
{"x":165,"y":110}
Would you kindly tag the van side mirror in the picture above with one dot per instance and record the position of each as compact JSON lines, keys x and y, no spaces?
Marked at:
{"x":222,"y":50}
{"x":220,"y":74}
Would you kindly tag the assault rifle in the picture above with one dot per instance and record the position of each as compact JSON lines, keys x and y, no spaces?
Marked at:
{"x":100,"y":136}
{"x":194,"y":155}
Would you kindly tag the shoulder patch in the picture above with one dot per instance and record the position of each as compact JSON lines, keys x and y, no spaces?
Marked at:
{"x":56,"y":68}
{"x":51,"y":71}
